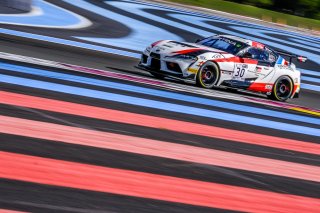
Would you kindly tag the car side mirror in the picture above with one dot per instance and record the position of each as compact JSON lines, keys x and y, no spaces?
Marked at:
{"x":199,"y":39}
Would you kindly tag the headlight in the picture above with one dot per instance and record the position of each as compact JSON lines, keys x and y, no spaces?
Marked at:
{"x":183,"y":57}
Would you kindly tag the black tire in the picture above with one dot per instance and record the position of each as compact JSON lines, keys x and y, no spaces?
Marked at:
{"x":208,"y":75}
{"x":282,"y":89}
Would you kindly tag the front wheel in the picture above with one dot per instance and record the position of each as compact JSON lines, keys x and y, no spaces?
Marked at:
{"x":282,"y":89}
{"x":208,"y":75}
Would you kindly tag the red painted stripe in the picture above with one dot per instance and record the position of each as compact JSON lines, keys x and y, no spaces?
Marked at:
{"x":156,"y":122}
{"x":10,"y":211}
{"x":73,"y":135}
{"x":139,"y":184}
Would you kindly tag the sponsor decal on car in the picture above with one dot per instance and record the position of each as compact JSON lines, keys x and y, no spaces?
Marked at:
{"x":282,"y":61}
{"x":217,"y":56}
{"x":192,"y":70}
{"x":285,"y":67}
{"x":268,"y":87}
{"x":227,"y":72}
{"x":239,"y":72}
{"x":258,"y":69}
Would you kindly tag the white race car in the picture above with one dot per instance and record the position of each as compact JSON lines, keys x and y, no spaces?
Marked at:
{"x":229,"y":61}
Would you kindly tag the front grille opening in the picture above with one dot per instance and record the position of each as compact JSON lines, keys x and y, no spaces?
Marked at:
{"x":155,"y":64}
{"x":174,"y":67}
{"x":144,"y":59}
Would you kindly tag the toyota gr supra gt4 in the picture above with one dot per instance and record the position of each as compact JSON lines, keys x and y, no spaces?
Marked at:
{"x":226,"y":61}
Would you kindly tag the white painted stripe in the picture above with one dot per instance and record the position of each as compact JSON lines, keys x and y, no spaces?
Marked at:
{"x":45,"y":14}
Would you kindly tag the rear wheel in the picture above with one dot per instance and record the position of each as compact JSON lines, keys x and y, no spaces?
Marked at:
{"x":208,"y":75}
{"x":282,"y":89}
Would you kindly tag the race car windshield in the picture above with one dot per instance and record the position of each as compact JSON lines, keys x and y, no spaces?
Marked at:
{"x":224,"y":44}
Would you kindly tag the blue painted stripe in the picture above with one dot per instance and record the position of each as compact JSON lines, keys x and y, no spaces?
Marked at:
{"x":111,"y":50}
{"x":159,"y":105}
{"x":69,"y":42}
{"x":310,"y":72}
{"x":245,"y":23}
{"x":310,"y":87}
{"x":50,"y":16}
{"x":159,"y":93}
{"x":306,"y":78}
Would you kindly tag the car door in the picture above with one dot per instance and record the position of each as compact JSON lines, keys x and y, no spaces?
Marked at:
{"x":266,"y":62}
{"x":255,"y":63}
{"x":245,"y":68}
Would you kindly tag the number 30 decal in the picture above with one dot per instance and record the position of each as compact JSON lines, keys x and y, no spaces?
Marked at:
{"x":240,"y":70}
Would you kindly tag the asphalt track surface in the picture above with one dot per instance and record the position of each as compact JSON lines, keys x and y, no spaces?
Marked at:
{"x":77,"y":142}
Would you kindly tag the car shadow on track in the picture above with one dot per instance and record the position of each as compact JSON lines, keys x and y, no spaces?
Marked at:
{"x":168,"y":79}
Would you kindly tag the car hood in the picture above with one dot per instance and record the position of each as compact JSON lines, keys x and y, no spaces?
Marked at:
{"x":174,"y":47}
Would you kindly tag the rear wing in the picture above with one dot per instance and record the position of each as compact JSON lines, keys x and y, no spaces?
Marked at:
{"x":291,"y":56}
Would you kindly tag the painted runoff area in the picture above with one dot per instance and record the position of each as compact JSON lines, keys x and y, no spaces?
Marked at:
{"x":159,"y":105}
{"x":157,"y":122}
{"x":69,"y":43}
{"x":105,"y":140}
{"x":159,"y":93}
{"x":118,"y":181}
{"x":45,"y":14}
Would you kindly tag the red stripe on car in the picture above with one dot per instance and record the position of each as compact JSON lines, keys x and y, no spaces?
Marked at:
{"x":257,"y":45}
{"x":156,"y":43}
{"x":237,"y":60}
{"x":188,"y":51}
{"x":261,"y":87}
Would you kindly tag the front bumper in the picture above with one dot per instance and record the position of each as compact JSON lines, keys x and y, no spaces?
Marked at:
{"x":156,"y":63}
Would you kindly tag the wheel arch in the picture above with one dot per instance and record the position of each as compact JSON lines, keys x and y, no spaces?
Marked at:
{"x":217,"y":65}
{"x":219,"y":69}
{"x":292,"y":83}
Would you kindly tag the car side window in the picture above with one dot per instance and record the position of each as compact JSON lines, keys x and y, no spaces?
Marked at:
{"x":259,"y":54}
{"x":255,"y":53}
{"x":272,"y":57}
{"x":264,"y":56}
{"x":209,"y":42}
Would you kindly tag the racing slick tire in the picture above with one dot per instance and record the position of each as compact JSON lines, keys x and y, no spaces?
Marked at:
{"x":282,"y":89}
{"x":208,"y":75}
